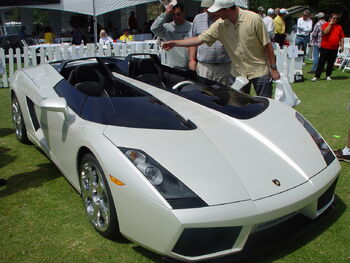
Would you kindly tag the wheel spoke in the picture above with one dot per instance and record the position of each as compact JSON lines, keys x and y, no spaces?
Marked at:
{"x":95,"y":195}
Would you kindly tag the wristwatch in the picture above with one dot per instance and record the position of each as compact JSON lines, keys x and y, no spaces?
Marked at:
{"x":273,"y":66}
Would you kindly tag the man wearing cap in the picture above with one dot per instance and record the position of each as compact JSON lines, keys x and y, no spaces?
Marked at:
{"x":280,"y":26}
{"x":261,"y":12}
{"x":316,"y":38}
{"x":304,"y":28}
{"x":268,"y":21}
{"x":179,"y":28}
{"x":245,"y":39}
{"x":209,"y":62}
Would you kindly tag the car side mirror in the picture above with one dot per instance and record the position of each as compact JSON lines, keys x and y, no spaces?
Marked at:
{"x":55,"y":105}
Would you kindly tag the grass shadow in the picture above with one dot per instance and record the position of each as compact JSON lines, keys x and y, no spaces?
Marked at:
{"x":339,"y":77}
{"x":6,"y":131}
{"x":20,"y":182}
{"x":276,"y":242}
{"x":5,"y":158}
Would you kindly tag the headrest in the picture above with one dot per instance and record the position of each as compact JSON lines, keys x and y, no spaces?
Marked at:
{"x":90,"y":88}
{"x":147,"y":66}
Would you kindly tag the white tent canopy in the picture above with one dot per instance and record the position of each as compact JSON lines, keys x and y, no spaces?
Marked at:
{"x":89,"y":7}
{"x":100,"y":7}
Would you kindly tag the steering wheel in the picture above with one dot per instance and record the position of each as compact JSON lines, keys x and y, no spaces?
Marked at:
{"x":179,"y":85}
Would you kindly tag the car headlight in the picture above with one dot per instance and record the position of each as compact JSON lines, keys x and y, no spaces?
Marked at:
{"x":177,"y":194}
{"x":320,"y":142}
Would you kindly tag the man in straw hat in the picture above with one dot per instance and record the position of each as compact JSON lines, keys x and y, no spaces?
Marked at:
{"x":247,"y":42}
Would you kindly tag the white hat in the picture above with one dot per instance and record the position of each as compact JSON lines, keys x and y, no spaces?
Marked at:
{"x":270,"y":11}
{"x":283,"y":11}
{"x":219,"y":4}
{"x":320,"y":15}
{"x":207,"y":3}
{"x":260,"y":8}
{"x":168,"y":2}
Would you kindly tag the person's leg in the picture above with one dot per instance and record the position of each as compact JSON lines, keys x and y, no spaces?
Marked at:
{"x":315,"y":57}
{"x":321,"y":62}
{"x":246,"y":89}
{"x":332,"y":56}
{"x":263,"y":86}
{"x":298,"y":42}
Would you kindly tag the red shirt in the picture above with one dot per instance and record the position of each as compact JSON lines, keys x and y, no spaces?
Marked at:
{"x":332,"y":39}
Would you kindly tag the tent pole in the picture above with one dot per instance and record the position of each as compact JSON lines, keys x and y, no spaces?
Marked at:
{"x":95,"y":29}
{"x":95,"y":21}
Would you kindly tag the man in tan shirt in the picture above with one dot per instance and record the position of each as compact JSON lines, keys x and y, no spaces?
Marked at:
{"x":245,"y":39}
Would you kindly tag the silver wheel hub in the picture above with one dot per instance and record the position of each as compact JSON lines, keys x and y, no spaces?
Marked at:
{"x":17,"y":118}
{"x":95,"y":196}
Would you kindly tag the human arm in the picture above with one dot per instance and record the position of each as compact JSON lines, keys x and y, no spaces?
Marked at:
{"x":268,"y":50}
{"x":158,"y":25}
{"x":341,"y":47}
{"x":188,"y":42}
{"x":326,"y":28}
{"x":192,"y":64}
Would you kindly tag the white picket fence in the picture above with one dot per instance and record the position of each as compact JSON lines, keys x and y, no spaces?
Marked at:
{"x":34,"y":55}
{"x":289,"y":61}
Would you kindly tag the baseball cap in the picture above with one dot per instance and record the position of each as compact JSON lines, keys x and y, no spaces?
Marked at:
{"x":284,"y":11}
{"x":219,"y":4}
{"x":320,"y":15}
{"x":270,"y":11}
{"x":207,"y":3}
{"x":260,"y":8}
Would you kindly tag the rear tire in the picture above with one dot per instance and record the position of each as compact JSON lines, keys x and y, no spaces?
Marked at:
{"x":17,"y":118}
{"x":97,"y":197}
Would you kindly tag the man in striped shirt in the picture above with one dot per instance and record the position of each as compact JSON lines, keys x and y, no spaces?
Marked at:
{"x":316,"y":38}
{"x":209,"y":62}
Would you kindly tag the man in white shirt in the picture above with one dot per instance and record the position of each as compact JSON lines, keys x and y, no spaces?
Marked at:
{"x":268,"y":21}
{"x":304,"y":28}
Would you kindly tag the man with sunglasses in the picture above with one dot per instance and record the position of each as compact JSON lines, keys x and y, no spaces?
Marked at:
{"x":179,"y":28}
{"x":247,"y":42}
{"x":332,"y":39}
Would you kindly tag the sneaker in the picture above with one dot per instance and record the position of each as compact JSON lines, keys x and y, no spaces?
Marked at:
{"x":328,"y":78}
{"x":313,"y":79}
{"x":341,"y":157}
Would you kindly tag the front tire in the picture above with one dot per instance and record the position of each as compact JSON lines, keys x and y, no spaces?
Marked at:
{"x":97,"y":197}
{"x":17,"y":118}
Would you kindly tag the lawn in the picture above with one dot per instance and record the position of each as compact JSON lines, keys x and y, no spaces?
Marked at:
{"x":42,"y":218}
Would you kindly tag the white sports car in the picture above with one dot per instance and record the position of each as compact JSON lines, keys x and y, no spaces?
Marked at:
{"x":188,"y":169}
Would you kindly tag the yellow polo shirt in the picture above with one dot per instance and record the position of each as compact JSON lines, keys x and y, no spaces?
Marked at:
{"x":244,"y":43}
{"x":280,"y":25}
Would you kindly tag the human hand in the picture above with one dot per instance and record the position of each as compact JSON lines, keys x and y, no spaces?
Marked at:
{"x":169,"y":9}
{"x":275,"y":74}
{"x":192,"y":64}
{"x":168,"y":45}
{"x":341,"y":50}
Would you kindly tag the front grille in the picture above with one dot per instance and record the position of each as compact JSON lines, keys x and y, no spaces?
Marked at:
{"x":326,"y":197}
{"x":202,"y":241}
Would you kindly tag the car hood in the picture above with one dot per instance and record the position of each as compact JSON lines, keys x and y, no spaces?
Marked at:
{"x":227,"y":160}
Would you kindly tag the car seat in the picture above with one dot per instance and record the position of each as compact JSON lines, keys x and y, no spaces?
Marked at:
{"x":88,"y":80}
{"x":148,"y":71}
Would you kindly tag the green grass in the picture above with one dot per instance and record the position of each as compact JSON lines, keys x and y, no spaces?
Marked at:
{"x":42,"y":218}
